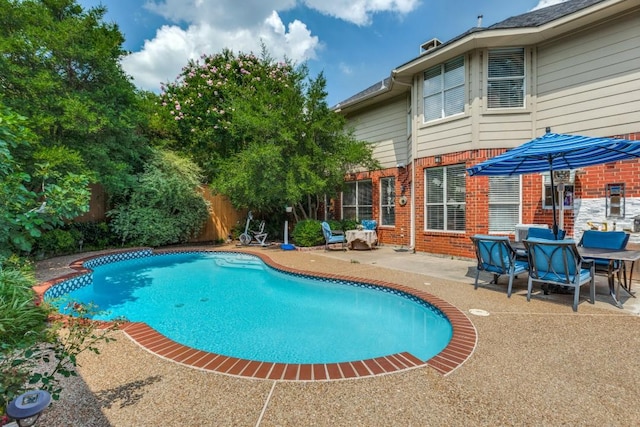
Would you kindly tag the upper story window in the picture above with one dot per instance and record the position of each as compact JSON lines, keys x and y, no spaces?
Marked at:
{"x":357,"y":200}
{"x":505,"y":81}
{"x":444,"y":90}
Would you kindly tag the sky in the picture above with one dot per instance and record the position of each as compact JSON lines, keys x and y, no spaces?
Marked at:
{"x":354,"y":43}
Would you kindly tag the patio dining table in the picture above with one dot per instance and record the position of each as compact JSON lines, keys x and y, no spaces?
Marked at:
{"x":612,"y":255}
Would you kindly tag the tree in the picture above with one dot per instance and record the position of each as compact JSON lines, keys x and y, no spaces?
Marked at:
{"x":37,"y":201}
{"x":60,"y":68}
{"x":166,"y":207}
{"x":262,"y":131}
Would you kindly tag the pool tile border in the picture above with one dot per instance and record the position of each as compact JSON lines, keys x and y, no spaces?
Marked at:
{"x":460,"y":348}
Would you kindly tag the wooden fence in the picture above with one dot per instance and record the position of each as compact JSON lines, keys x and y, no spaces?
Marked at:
{"x":222,"y":218}
{"x":222,"y":215}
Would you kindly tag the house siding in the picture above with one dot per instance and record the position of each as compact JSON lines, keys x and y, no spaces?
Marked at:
{"x":585,"y":81}
{"x":386,"y":128}
{"x":590,"y":83}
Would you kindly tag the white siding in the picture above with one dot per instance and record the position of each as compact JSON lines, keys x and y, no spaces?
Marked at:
{"x":446,"y":137}
{"x":477,"y":127}
{"x":590,"y":83}
{"x":504,"y":130}
{"x":386,"y":128}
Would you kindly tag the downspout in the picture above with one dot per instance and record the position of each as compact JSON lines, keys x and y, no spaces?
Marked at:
{"x":414,"y":153}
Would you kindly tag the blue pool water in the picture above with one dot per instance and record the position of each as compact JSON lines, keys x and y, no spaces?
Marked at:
{"x":235,"y":305}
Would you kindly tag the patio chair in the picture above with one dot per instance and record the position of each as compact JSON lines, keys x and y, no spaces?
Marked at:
{"x":614,"y":240}
{"x":495,"y":255}
{"x":369,"y":224}
{"x":332,"y":236}
{"x":558,"y":262}
{"x":544,"y":233}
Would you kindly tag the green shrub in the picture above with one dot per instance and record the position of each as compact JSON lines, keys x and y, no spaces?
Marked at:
{"x":166,"y":207}
{"x":307,"y":233}
{"x":58,"y":242}
{"x":95,"y":235}
{"x":75,"y":237}
{"x":347,"y":224}
{"x":42,"y":364}
{"x":21,"y":319}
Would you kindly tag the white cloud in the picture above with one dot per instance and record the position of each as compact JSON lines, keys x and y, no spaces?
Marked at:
{"x":546,"y":3}
{"x":346,"y":69}
{"x":162,"y":58}
{"x":360,"y":11}
{"x":219,"y":13}
{"x":208,"y":26}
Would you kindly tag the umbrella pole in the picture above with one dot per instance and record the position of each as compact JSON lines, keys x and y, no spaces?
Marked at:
{"x":553,"y":199}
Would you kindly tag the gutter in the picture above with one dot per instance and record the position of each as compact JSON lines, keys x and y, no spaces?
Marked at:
{"x":374,"y":93}
{"x":414,"y":154}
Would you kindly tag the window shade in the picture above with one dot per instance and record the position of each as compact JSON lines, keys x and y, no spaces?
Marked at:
{"x":504,"y":203}
{"x":506,"y":77}
{"x":443,"y":90}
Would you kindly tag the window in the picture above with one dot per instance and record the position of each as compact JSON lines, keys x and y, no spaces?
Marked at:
{"x":615,"y":200}
{"x":504,"y":203}
{"x":565,"y":177}
{"x":445,"y":198}
{"x":505,"y":81}
{"x":357,"y":200}
{"x":388,"y":201}
{"x":444,"y":90}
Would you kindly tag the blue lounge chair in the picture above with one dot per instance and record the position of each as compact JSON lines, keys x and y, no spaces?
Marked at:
{"x":558,"y":262}
{"x":495,"y":255}
{"x":332,"y":236}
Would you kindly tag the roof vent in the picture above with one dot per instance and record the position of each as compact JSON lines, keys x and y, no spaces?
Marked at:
{"x":427,"y":46}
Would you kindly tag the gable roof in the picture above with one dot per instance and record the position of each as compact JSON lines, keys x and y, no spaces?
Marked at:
{"x":539,"y":17}
{"x":513,"y":29}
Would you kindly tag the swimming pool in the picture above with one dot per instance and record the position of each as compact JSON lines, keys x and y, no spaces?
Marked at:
{"x":241,"y":308}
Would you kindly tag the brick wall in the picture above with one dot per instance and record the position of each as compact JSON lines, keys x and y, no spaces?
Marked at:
{"x":589,"y":183}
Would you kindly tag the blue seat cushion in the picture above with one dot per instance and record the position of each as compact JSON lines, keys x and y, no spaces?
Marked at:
{"x":521,"y":266}
{"x":336,"y":239}
{"x":585,"y":275}
{"x":544,"y":233}
{"x":605,"y":239}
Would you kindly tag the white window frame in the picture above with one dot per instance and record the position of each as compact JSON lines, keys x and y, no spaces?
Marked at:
{"x":501,"y":75}
{"x":448,"y":205}
{"x":505,"y":205}
{"x":387,"y":199}
{"x":569,"y":192}
{"x":358,"y":206}
{"x":444,"y":83}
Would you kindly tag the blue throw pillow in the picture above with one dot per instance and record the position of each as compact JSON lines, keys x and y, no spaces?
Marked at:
{"x":369,"y":224}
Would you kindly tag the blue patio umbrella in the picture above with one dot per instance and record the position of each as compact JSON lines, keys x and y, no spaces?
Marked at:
{"x":552,"y":152}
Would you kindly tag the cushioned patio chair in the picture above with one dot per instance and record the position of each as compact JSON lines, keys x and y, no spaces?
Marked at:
{"x":369,"y":224}
{"x":495,"y":255}
{"x":332,"y":236}
{"x":544,"y":233}
{"x":558,"y":262}
{"x":614,"y":240}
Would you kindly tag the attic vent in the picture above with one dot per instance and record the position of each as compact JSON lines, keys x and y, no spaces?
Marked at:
{"x":427,"y":46}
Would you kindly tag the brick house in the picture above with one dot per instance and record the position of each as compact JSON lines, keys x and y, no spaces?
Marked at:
{"x":573,"y":67}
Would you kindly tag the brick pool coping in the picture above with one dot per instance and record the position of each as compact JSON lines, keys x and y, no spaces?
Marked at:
{"x":459,"y":349}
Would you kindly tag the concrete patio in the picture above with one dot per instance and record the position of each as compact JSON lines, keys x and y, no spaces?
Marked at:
{"x":536,"y":363}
